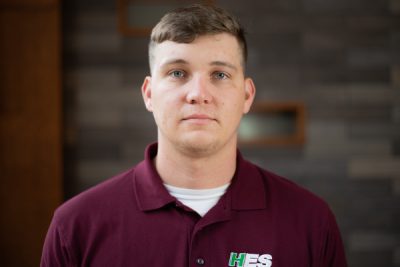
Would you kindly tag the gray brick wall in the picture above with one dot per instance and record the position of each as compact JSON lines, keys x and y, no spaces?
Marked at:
{"x":340,"y":57}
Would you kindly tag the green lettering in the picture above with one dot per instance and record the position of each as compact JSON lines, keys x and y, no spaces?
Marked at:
{"x":236,"y":260}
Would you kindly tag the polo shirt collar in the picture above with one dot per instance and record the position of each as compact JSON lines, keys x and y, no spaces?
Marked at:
{"x":247,"y":190}
{"x":151,"y":193}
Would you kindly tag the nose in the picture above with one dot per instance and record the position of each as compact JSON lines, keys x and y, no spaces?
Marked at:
{"x":199,"y":91}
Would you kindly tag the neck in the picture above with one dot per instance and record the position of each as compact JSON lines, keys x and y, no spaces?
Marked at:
{"x":195,"y":172}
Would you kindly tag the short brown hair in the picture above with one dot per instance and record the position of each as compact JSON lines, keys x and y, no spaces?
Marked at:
{"x":184,"y":25}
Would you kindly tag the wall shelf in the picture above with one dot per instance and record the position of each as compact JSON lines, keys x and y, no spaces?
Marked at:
{"x":269,"y":124}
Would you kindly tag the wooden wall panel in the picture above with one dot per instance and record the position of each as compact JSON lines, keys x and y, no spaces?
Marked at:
{"x":30,"y":130}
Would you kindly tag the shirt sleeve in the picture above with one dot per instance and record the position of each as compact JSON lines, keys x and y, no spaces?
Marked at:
{"x":331,"y":249}
{"x":56,"y":250}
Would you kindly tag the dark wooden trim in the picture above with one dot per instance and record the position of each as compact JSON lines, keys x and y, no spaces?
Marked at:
{"x":297,"y":138}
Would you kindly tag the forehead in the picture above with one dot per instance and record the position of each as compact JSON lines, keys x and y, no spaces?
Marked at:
{"x":204,"y":49}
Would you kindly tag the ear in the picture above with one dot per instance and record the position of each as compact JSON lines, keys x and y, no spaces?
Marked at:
{"x":146,"y":93}
{"x":250,"y":93}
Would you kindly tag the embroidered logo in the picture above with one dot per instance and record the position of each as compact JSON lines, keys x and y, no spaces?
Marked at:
{"x":250,"y":260}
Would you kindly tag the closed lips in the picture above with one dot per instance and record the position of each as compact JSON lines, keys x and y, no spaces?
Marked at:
{"x":198,"y":117}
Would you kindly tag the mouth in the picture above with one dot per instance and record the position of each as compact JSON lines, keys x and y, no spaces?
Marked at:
{"x":199,"y":118}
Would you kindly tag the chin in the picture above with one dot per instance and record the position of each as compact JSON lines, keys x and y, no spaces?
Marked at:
{"x":199,"y":146}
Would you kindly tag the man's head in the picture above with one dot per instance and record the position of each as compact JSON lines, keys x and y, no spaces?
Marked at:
{"x":197,"y":90}
{"x":184,"y":25}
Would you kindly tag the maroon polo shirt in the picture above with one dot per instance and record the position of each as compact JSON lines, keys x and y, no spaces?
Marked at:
{"x":132,"y":220}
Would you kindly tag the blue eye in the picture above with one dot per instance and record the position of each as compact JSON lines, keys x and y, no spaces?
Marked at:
{"x":177,"y":74}
{"x":220,"y":75}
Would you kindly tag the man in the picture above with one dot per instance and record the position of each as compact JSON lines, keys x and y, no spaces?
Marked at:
{"x":194,"y":200}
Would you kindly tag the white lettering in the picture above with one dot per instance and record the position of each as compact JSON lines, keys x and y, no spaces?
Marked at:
{"x":251,"y":260}
{"x":265,"y":260}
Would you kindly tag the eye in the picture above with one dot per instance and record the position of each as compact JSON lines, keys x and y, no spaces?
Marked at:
{"x":220,"y":75}
{"x":177,"y":74}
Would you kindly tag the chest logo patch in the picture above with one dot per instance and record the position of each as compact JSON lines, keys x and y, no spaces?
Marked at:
{"x":250,"y":260}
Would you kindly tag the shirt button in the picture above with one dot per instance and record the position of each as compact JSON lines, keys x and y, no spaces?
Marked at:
{"x":200,"y":261}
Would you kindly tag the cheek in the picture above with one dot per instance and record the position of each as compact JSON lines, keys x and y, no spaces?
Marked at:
{"x":232,"y":112}
{"x":164,"y":110}
{"x":236,"y":106}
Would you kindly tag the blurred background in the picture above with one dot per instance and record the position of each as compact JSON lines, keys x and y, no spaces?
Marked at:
{"x":71,"y":112}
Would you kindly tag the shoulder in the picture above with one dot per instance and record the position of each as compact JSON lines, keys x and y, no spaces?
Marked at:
{"x":77,"y":223}
{"x":99,"y":200}
{"x":301,"y":213}
{"x":288,"y":195}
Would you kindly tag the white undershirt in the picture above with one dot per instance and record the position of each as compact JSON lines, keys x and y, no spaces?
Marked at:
{"x":199,"y":200}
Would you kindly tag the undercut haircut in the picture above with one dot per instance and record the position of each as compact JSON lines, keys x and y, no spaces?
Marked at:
{"x":184,"y":25}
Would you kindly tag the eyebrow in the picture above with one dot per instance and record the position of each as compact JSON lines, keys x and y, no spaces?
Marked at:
{"x":223,"y":64}
{"x":174,"y":61}
{"x":213,"y":63}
